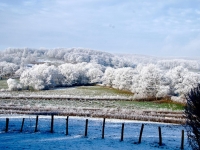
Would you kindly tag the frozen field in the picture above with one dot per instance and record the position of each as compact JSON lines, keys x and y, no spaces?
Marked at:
{"x":77,"y":91}
{"x":43,"y":139}
{"x":19,"y":98}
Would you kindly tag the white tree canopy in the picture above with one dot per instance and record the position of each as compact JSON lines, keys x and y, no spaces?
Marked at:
{"x":41,"y":77}
{"x":7,"y":69}
{"x":145,"y":76}
{"x":46,"y":76}
{"x":13,"y":85}
{"x":147,"y":83}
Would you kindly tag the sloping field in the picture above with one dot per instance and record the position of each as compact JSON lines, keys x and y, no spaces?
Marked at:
{"x":93,"y":101}
{"x":119,"y":109}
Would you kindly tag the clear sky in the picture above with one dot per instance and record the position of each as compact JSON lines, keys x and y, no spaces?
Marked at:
{"x":150,"y":27}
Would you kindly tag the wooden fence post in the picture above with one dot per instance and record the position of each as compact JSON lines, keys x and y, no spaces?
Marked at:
{"x":141,"y":131}
{"x":22,"y":125}
{"x":182,"y":140}
{"x":86,"y":127}
{"x":36,"y":124}
{"x":160,"y":136}
{"x":52,"y":121}
{"x":67,"y":121}
{"x":103,"y":127}
{"x":122,"y":132}
{"x":7,"y":123}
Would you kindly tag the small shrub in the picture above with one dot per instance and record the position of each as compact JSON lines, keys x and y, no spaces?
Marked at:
{"x":13,"y":85}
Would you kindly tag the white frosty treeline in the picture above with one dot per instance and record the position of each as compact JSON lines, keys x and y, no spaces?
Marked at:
{"x":46,"y":76}
{"x":68,"y":55}
{"x":146,"y":81}
{"x":7,"y":69}
{"x":164,"y":63}
{"x":23,"y":56}
{"x":12,"y":59}
{"x":149,"y":81}
{"x":146,"y":77}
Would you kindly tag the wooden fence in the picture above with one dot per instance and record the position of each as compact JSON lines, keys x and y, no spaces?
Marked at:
{"x":86,"y":130}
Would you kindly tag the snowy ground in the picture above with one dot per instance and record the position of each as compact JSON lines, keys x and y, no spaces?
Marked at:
{"x":43,"y":139}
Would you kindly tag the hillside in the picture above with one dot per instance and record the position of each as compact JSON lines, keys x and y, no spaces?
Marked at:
{"x":146,"y":76}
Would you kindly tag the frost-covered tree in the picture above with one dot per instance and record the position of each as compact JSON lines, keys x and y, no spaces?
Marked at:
{"x":41,"y":77}
{"x":76,"y":58}
{"x":182,"y":81}
{"x":30,"y":59}
{"x":20,"y":71}
{"x":46,"y":76}
{"x":81,"y":73}
{"x":94,"y":75}
{"x":153,"y":77}
{"x":24,"y":56}
{"x":53,"y":77}
{"x":13,"y":85}
{"x":146,"y":83}
{"x":94,"y":72}
{"x":123,"y":78}
{"x":185,"y":63}
{"x":164,"y":88}
{"x":7,"y":69}
{"x":109,"y":77}
{"x":59,"y":54}
{"x":21,"y":55}
{"x":71,"y":74}
{"x":51,"y":53}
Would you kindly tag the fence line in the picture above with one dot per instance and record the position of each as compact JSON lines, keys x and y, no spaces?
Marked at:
{"x":86,"y":129}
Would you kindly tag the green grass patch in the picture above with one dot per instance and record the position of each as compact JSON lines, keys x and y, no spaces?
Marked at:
{"x":102,"y":90}
{"x":152,"y":105}
{"x":3,"y":84}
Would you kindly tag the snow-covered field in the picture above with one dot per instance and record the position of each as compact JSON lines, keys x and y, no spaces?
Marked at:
{"x":43,"y":139}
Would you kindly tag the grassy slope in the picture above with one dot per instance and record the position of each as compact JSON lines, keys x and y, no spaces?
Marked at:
{"x":99,"y":91}
{"x":168,"y":105}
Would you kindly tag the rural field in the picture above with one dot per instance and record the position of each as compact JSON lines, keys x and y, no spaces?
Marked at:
{"x":110,"y":98}
{"x":81,"y":85}
{"x":93,"y":101}
{"x":131,"y":62}
{"x":76,"y":139}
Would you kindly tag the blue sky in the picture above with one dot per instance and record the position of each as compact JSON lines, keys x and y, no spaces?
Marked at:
{"x":149,"y":27}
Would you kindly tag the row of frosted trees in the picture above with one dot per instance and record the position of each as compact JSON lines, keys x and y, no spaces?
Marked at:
{"x":148,"y":81}
{"x":45,"y":76}
{"x":24,"y":56}
{"x":145,"y":81}
{"x":147,"y":77}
